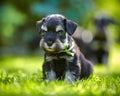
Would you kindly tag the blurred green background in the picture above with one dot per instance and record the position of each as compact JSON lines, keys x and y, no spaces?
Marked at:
{"x":18,"y":20}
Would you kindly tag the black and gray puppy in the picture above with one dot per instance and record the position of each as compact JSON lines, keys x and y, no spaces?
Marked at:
{"x":62,"y":59}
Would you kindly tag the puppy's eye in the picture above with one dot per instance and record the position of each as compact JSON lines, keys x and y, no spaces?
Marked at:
{"x":42,"y":33}
{"x":60,"y":32}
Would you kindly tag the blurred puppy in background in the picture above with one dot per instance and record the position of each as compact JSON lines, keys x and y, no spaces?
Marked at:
{"x":95,"y":47}
{"x":101,"y":40}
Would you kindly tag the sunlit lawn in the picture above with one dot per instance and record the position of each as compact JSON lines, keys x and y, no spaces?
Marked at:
{"x":21,"y":76}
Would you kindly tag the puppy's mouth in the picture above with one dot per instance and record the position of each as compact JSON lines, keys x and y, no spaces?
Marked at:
{"x":49,"y":49}
{"x":56,"y":47}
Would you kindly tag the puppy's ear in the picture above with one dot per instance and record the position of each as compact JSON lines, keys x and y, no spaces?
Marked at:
{"x":39,"y":24}
{"x":70,"y":27}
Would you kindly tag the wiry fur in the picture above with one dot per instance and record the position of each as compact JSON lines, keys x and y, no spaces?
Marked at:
{"x":62,"y":59}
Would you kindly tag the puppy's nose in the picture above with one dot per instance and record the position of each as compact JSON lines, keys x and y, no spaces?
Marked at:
{"x":50,"y":42}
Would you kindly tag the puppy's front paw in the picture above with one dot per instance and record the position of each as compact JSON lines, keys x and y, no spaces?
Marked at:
{"x":50,"y":76}
{"x":70,"y":77}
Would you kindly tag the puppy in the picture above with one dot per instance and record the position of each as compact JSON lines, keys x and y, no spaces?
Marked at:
{"x":62,"y":59}
{"x":101,"y":41}
{"x":95,"y":47}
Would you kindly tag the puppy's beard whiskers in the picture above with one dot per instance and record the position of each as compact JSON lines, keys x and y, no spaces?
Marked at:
{"x":44,"y":45}
{"x":41,"y":42}
{"x":65,"y":43}
{"x":49,"y":48}
{"x":57,"y":46}
{"x":53,"y":46}
{"x":60,"y":44}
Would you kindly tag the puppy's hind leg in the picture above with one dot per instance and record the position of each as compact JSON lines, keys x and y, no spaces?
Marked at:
{"x":86,"y":67}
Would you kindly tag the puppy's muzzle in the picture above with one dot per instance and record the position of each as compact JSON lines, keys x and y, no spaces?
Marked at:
{"x":50,"y":38}
{"x":52,"y":44}
{"x":50,"y":41}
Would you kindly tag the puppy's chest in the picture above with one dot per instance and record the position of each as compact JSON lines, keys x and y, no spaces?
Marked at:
{"x":59,"y":62}
{"x":59,"y":65}
{"x":59,"y":58}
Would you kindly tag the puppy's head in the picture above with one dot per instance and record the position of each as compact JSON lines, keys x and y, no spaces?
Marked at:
{"x":54,"y":31}
{"x":101,"y":22}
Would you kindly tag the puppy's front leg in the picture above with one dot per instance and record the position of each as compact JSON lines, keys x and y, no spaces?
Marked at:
{"x":48,"y":73}
{"x":69,"y":77}
{"x":51,"y":75}
{"x":72,"y":74}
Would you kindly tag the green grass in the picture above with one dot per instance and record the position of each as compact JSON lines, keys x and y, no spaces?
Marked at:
{"x":21,"y":76}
